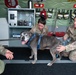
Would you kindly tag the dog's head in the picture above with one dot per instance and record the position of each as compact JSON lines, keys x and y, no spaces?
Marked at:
{"x":24,"y":37}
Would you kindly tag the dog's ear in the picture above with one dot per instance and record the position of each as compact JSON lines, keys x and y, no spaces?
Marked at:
{"x":21,"y":33}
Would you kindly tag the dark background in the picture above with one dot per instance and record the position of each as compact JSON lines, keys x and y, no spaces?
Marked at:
{"x":38,"y":68}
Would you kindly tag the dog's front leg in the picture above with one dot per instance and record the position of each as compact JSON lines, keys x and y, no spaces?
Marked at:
{"x":35,"y":55}
{"x":54,"y":59}
{"x":31,"y":54}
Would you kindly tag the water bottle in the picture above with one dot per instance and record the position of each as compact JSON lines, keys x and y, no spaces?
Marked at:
{"x":30,"y":4}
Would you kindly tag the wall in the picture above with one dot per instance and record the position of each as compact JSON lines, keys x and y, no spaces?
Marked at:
{"x":59,"y":4}
{"x":62,"y":4}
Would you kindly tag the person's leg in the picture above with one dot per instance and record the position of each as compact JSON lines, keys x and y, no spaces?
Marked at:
{"x":72,"y":55}
{"x":2,"y":66}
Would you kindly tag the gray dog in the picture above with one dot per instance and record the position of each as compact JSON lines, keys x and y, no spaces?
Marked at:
{"x":47,"y":42}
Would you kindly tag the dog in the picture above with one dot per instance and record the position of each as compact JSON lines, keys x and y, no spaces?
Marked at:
{"x":47,"y":42}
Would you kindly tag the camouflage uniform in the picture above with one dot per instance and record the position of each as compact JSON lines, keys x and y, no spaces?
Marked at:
{"x":71,"y":47}
{"x":42,"y":32}
{"x":35,"y":29}
{"x":2,"y":65}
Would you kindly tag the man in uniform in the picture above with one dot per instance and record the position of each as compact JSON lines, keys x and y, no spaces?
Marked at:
{"x":41,"y":27}
{"x":71,"y":47}
{"x":8,"y":54}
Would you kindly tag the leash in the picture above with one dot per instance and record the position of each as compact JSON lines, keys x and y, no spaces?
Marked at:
{"x":64,"y":43}
{"x":39,"y":40}
{"x":31,"y":38}
{"x":11,"y":39}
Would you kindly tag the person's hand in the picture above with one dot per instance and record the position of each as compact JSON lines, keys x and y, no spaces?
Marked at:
{"x":9,"y":55}
{"x":60,"y":48}
{"x":64,"y":38}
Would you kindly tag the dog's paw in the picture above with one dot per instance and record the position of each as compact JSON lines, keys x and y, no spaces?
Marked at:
{"x":49,"y":64}
{"x":33,"y":62}
{"x":30,"y":57}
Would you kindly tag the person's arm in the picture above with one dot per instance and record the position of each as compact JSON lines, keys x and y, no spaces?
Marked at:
{"x":33,"y":30}
{"x":70,"y":47}
{"x":67,"y":48}
{"x":66,"y":36}
{"x":5,"y":52}
{"x":2,"y":50}
{"x":45,"y":31}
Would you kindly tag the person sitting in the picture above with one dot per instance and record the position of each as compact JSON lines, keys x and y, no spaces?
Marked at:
{"x":71,"y":47}
{"x":40,"y":28}
{"x":8,"y":54}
